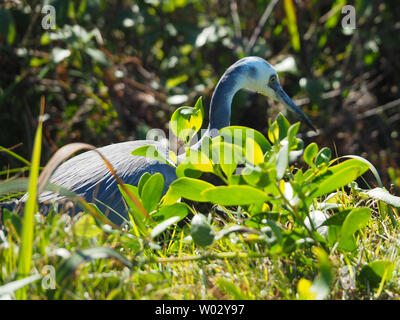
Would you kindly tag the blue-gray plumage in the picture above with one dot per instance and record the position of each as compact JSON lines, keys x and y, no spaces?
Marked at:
{"x":88,"y":176}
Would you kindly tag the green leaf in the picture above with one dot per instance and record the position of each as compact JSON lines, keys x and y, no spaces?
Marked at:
{"x":135,"y":212}
{"x":152,"y":192}
{"x":251,"y":175}
{"x":323,"y":156}
{"x":234,"y":195}
{"x":143,"y":179}
{"x":238,"y":135}
{"x":376,"y":270}
{"x":86,"y":227}
{"x":283,"y":125}
{"x":357,"y":219}
{"x":273,"y":132}
{"x":160,"y":228}
{"x":370,"y":165}
{"x":337,"y":219}
{"x":227,"y":156}
{"x":151,"y":152}
{"x":282,"y":159}
{"x":175,"y":210}
{"x":339,"y":176}
{"x":253,"y":152}
{"x":202,"y":233}
{"x":310,"y":153}
{"x":187,"y":188}
{"x":291,"y":135}
{"x":199,"y":161}
{"x":385,"y":196}
{"x":186,"y":121}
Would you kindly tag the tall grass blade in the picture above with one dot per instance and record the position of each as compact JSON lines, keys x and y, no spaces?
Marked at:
{"x":25,"y":253}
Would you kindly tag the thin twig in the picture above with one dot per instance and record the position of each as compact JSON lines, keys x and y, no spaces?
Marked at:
{"x":260,"y":25}
{"x":379,"y":109}
{"x":236,"y":19}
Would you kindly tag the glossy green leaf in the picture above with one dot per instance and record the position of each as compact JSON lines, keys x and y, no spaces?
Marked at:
{"x":370,"y":165}
{"x":234,"y":195}
{"x":152,"y":192}
{"x":322,"y":283}
{"x":357,"y":219}
{"x":273,"y":132}
{"x":186,"y":121}
{"x":339,"y":176}
{"x":238,"y":134}
{"x":253,"y":152}
{"x":376,"y":270}
{"x":310,"y":153}
{"x":291,"y":135}
{"x":143,"y":179}
{"x":199,"y":161}
{"x":323,"y":156}
{"x":283,"y":125}
{"x":151,"y":152}
{"x":187,"y":188}
{"x":180,"y":210}
{"x":227,"y":156}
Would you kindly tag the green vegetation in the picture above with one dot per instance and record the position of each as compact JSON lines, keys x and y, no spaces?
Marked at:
{"x":268,"y":230}
{"x":276,"y":214}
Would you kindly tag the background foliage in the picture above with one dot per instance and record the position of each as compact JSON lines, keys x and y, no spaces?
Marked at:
{"x":111,"y":70}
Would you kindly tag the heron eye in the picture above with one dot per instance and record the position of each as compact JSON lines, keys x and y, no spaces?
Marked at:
{"x":272,"y":79}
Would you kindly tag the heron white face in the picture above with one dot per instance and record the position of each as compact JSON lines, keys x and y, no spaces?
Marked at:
{"x":260,"y":74}
{"x":263,"y":78}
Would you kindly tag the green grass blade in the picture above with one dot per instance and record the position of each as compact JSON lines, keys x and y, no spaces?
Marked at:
{"x":16,"y":156}
{"x":25,"y":253}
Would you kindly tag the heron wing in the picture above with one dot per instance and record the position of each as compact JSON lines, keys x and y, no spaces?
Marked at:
{"x":88,"y":176}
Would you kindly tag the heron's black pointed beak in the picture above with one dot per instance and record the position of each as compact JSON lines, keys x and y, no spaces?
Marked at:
{"x":282,"y":97}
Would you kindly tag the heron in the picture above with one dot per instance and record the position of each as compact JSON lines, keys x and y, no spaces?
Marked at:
{"x":87,"y":175}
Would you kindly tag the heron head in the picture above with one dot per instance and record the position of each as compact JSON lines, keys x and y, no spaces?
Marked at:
{"x":263,"y":78}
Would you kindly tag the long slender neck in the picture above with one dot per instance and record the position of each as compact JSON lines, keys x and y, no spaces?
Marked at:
{"x":221,"y":101}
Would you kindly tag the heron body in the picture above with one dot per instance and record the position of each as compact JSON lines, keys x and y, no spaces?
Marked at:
{"x":87,"y":175}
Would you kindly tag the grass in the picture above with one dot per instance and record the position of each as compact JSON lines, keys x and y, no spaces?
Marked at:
{"x":230,"y":256}
{"x":159,"y":272}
